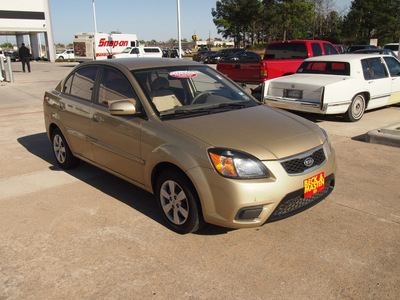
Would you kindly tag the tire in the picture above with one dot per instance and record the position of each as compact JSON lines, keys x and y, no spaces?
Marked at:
{"x":356,"y":109}
{"x":62,"y":153}
{"x":178,"y":202}
{"x":61,"y":57}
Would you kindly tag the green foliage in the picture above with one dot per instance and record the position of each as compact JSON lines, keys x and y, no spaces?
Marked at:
{"x":251,"y":22}
{"x":234,"y":18}
{"x":6,"y":46}
{"x":369,"y":19}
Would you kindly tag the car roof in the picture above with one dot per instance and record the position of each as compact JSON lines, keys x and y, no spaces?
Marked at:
{"x":133,"y":63}
{"x":345,"y":57}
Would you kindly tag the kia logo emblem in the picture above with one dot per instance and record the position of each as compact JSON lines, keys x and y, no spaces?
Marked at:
{"x":309,"y":161}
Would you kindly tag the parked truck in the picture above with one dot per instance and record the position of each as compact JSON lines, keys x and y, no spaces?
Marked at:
{"x":280,"y":59}
{"x":138,"y":52}
{"x":97,"y":46}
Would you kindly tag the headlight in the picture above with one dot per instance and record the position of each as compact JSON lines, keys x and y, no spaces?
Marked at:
{"x":236,"y":164}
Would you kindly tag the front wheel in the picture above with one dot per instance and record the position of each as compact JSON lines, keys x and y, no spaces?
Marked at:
{"x":356,"y":109}
{"x":64,"y":157}
{"x":178,"y":202}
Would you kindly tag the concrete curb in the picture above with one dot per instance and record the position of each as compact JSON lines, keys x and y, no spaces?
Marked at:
{"x":386,"y":136}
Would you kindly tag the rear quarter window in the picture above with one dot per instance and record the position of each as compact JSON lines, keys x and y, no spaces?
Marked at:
{"x":286,"y":51}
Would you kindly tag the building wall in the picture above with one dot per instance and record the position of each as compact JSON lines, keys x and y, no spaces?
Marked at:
{"x":28,"y":18}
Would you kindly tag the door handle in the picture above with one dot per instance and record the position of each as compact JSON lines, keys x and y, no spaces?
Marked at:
{"x":238,"y":66}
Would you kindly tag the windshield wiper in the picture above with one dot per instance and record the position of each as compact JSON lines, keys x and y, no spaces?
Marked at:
{"x":185,"y":112}
{"x":177,"y":112}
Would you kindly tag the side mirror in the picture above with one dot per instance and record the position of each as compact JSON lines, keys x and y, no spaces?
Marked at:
{"x":123,"y":107}
{"x":246,"y":89}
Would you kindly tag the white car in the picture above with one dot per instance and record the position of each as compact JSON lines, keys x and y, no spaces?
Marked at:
{"x":139,"y":52}
{"x":2,"y":56}
{"x":345,"y":84}
{"x":66,"y":54}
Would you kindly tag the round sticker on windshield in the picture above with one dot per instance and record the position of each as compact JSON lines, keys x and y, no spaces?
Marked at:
{"x":183,"y":74}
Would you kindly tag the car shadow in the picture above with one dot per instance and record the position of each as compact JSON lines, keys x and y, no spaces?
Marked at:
{"x":316,"y":118}
{"x":119,"y":189}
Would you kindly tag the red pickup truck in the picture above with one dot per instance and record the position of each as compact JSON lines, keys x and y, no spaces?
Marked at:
{"x":280,"y":58}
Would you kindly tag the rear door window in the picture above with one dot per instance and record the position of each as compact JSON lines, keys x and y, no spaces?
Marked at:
{"x":114,"y":86}
{"x":80,"y":83}
{"x":373,"y":68}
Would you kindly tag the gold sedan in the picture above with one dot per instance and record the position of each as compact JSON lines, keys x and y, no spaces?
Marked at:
{"x":207,"y":150}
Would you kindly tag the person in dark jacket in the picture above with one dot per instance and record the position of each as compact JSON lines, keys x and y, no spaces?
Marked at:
{"x":25,"y":56}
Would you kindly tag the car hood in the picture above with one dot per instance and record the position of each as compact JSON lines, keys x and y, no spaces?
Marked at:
{"x":264,"y":132}
{"x":299,"y":80}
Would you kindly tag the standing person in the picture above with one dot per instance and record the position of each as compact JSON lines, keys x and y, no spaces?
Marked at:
{"x":25,"y":56}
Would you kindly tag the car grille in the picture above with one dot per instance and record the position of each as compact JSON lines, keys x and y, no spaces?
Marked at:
{"x":298,"y":165}
{"x":295,"y":202}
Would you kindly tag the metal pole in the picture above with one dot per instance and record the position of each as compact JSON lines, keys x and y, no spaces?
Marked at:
{"x":179,"y":29}
{"x":10,"y":71}
{"x":398,"y":49}
{"x":94,"y":16}
{"x":3,"y":70}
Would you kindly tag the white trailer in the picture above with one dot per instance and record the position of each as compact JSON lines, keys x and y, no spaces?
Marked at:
{"x":90,"y":46}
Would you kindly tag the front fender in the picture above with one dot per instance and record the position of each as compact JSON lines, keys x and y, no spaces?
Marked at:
{"x":183,"y":158}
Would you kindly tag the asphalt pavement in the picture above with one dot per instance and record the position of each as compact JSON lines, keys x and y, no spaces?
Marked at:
{"x":85,"y":234}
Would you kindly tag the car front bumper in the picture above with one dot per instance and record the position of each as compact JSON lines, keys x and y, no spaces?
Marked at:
{"x":250,"y":203}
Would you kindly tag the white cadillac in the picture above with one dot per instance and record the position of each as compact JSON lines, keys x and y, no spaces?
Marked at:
{"x":345,"y":84}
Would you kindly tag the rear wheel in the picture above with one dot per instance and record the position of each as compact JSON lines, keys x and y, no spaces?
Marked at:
{"x":178,"y":202}
{"x":356,"y":109}
{"x":64,"y":157}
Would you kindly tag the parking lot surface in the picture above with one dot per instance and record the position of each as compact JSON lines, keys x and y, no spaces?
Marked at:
{"x":86,"y":234}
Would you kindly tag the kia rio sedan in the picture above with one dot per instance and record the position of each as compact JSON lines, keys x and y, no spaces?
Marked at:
{"x":208,"y":151}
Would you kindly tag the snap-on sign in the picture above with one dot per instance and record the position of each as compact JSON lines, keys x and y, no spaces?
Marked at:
{"x":104,"y":43}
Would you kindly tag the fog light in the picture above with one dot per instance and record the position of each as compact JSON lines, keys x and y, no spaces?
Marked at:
{"x":249,"y":213}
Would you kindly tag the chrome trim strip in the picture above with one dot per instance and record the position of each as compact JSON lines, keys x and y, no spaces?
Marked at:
{"x":116,"y":151}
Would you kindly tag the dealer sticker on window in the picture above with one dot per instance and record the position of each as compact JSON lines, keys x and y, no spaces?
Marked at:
{"x":183,"y":74}
{"x":314,"y":184}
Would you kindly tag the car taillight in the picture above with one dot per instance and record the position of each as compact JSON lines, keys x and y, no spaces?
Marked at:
{"x":264,"y":71}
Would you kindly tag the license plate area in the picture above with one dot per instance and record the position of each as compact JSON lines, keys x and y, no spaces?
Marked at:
{"x":294,"y":94}
{"x":314,"y":184}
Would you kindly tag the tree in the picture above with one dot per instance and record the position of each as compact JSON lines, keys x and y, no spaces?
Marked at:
{"x":372,"y":19}
{"x":6,"y":45}
{"x":233,"y":18}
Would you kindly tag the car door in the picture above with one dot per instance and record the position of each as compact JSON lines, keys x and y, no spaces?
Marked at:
{"x":116,"y":139}
{"x":393,"y":66}
{"x":74,"y":109}
{"x":378,"y":81}
{"x":248,"y":68}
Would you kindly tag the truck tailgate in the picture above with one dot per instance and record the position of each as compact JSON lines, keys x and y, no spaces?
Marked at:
{"x":244,"y":72}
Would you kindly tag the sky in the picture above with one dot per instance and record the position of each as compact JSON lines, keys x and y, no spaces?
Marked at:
{"x":148,"y":19}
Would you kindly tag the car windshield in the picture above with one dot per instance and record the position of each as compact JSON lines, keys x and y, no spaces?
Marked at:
{"x":325,"y":67}
{"x":127,"y":50}
{"x":190,"y":90}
